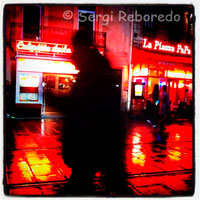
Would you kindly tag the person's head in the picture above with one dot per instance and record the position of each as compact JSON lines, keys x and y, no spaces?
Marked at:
{"x":82,"y":42}
{"x":156,"y":87}
{"x":164,"y":88}
{"x":82,"y":39}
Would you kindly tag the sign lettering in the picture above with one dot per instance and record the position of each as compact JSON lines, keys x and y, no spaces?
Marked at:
{"x":42,"y":47}
{"x":158,"y":45}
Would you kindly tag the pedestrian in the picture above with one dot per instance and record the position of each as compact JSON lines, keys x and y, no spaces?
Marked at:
{"x":163,"y":107}
{"x":94,"y":131}
{"x":155,"y":107}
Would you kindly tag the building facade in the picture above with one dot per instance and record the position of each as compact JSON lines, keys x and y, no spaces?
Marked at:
{"x":38,"y":48}
{"x":163,"y":54}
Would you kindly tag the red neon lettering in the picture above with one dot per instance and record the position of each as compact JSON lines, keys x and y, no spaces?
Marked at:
{"x":43,"y":47}
{"x":159,"y":46}
{"x":147,"y":45}
{"x":156,"y":44}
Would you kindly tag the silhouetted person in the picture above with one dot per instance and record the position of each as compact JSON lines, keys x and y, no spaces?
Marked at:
{"x":94,"y":130}
{"x":164,"y":106}
{"x":155,"y":110}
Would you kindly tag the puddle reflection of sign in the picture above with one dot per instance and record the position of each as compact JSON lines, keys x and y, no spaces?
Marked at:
{"x":43,"y":48}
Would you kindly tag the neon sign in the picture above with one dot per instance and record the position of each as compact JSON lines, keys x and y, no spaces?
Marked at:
{"x":42,"y":47}
{"x":159,"y":46}
{"x":46,"y":48}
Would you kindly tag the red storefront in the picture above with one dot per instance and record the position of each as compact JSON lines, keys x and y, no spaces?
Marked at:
{"x":41,"y":66}
{"x":171,"y":65}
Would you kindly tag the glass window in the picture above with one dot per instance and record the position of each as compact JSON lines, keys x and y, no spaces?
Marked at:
{"x":50,"y":81}
{"x":153,"y":70}
{"x":65,"y":83}
{"x":151,"y":83}
{"x":136,"y":70}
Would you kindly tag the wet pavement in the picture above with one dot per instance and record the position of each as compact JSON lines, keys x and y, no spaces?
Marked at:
{"x":157,"y":163}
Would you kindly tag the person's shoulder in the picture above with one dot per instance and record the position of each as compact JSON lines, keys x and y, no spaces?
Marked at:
{"x":98,"y":58}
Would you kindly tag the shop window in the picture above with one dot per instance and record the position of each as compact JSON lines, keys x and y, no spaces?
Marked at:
{"x":161,"y":73}
{"x":188,"y":75}
{"x":65,"y":83}
{"x":188,"y":86}
{"x":151,"y":83}
{"x":176,"y":73}
{"x":144,"y":70}
{"x":140,"y":70}
{"x":136,"y":70}
{"x":182,"y":90}
{"x":153,"y":70}
{"x":50,"y":82}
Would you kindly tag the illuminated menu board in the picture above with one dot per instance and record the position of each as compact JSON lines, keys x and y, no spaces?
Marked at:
{"x":138,"y":90}
{"x":29,"y":85}
{"x":28,"y":88}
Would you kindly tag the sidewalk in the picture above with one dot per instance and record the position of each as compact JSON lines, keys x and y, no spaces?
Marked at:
{"x":156,"y":163}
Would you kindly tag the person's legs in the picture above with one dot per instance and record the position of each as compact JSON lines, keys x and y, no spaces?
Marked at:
{"x":162,"y":122}
{"x":82,"y":180}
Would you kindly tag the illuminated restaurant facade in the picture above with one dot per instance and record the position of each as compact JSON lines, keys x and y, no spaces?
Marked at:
{"x":164,"y":64}
{"x":37,"y":63}
{"x":162,"y":54}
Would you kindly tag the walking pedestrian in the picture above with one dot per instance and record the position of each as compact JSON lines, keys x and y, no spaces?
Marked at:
{"x":94,"y":130}
{"x":163,"y":107}
{"x":155,"y":107}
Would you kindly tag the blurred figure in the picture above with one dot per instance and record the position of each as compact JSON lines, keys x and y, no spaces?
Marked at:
{"x":94,"y":131}
{"x":155,"y":110}
{"x":164,"y":107}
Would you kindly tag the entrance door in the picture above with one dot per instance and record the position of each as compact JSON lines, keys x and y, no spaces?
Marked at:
{"x":58,"y":84}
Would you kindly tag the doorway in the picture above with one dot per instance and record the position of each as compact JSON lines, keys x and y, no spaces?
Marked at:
{"x":57,"y":84}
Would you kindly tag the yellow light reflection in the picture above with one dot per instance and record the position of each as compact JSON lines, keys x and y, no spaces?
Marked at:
{"x":27,"y":175}
{"x":138,"y":156}
{"x":174,"y":155}
{"x":136,"y":139}
{"x":23,"y":166}
{"x":42,"y":126}
{"x":41,"y":169}
{"x":38,"y":160}
{"x":177,"y":137}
